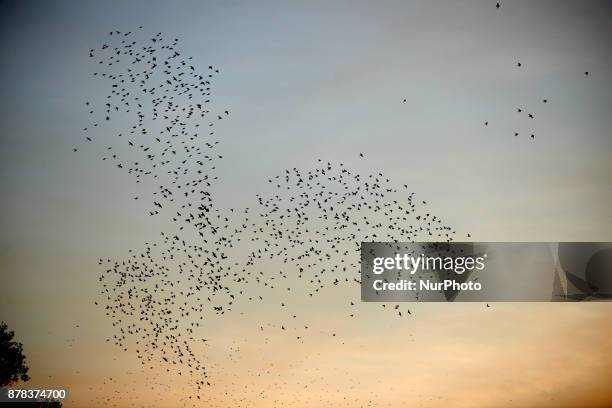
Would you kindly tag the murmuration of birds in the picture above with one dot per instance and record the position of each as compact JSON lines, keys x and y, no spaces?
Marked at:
{"x":299,"y":237}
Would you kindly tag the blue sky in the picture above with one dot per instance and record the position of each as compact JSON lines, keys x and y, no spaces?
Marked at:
{"x":308,"y":80}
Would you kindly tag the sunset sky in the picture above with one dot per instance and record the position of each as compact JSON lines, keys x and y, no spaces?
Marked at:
{"x":308,"y":80}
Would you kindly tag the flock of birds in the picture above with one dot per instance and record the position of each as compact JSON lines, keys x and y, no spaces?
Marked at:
{"x":522,"y":111}
{"x":303,"y":237}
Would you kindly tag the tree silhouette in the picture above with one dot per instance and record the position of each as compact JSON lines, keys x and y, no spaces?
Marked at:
{"x":12,"y":360}
{"x":13,"y":368}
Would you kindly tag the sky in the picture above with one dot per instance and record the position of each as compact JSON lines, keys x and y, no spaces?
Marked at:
{"x":308,"y":80}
